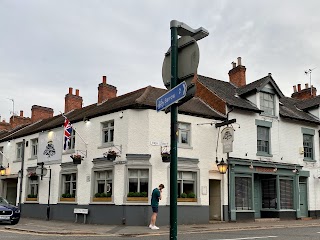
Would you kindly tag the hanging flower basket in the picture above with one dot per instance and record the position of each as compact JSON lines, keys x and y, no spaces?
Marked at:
{"x":165,"y":157}
{"x":33,"y":176}
{"x":76,"y":158}
{"x":111,"y":155}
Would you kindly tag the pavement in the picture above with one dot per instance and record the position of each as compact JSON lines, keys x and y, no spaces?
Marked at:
{"x":36,"y":226}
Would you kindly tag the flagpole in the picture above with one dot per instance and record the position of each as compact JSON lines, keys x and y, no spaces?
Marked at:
{"x":75,"y":130}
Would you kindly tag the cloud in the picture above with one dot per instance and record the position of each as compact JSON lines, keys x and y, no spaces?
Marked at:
{"x":48,"y":46}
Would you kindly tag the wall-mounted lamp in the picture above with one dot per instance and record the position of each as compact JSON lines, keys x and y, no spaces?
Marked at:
{"x":295,"y":170}
{"x":222,"y":166}
{"x":8,"y":170}
{"x":251,"y":166}
{"x":121,"y":115}
{"x":2,"y":170}
{"x":275,"y":168}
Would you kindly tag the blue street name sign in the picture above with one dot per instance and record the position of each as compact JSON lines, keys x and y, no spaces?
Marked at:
{"x":171,"y":97}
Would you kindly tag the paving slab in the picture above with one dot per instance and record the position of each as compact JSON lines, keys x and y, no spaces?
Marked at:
{"x":67,"y":228}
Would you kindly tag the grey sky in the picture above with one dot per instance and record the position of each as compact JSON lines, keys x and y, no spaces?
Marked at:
{"x":48,"y":46}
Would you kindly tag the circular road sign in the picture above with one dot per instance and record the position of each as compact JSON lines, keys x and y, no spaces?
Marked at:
{"x":188,"y":60}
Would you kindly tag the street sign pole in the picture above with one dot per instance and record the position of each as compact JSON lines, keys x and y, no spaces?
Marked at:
{"x":174,"y":133}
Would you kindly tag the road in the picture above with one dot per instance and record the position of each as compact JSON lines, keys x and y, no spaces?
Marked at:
{"x":297,"y":233}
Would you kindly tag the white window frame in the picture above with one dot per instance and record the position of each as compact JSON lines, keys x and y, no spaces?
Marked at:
{"x":187,"y":130}
{"x":139,"y":177}
{"x":72,"y":142}
{"x":19,"y":146}
{"x":181,"y":180}
{"x":72,"y":180}
{"x":107,"y":127}
{"x":34,"y":148}
{"x":33,"y":182}
{"x":265,"y":104}
{"x":106,"y":180}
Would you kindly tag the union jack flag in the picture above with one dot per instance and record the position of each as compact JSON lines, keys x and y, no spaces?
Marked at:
{"x":67,"y":133}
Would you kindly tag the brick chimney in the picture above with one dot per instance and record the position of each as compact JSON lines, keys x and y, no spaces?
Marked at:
{"x":106,"y":91}
{"x":39,"y":113}
{"x":71,"y":101}
{"x":307,"y":93}
{"x":19,"y":120}
{"x":237,"y":74}
{"x":4,"y":125}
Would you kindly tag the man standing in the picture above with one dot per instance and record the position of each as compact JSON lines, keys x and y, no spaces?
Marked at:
{"x":155,"y":197}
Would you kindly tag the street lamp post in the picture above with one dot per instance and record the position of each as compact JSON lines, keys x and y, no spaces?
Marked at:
{"x":181,"y":29}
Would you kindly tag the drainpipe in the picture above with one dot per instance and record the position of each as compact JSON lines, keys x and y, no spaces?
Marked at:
{"x":49,"y":193}
{"x":21,"y":172}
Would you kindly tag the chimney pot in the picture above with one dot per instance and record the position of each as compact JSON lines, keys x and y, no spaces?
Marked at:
{"x":104,"y":79}
{"x":237,"y":75}
{"x":299,"y":87}
{"x":307,"y":85}
{"x":77,"y":92}
{"x":239,"y":61}
{"x":294,"y":88}
{"x":21,"y":113}
{"x":269,"y":74}
{"x":70,"y":90}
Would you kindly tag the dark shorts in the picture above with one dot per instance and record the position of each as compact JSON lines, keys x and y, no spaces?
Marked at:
{"x":155,"y":209}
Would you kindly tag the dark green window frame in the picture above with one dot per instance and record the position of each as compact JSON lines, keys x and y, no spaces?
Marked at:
{"x":308,"y":143}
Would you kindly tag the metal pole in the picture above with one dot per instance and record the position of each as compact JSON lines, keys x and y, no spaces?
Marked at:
{"x":174,"y":133}
{"x":21,"y":170}
{"x":49,"y":193}
{"x":229,"y":201}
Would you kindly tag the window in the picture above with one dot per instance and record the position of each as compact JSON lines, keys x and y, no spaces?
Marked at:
{"x":19,"y":151}
{"x":108,"y":132}
{"x":267,"y":103}
{"x":138,"y":180}
{"x":308,"y":146}
{"x":1,"y":155}
{"x":34,"y":148}
{"x":243,"y":192}
{"x":269,"y":193}
{"x":263,"y":139}
{"x":286,"y":194}
{"x":72,"y":142}
{"x":184,"y":133}
{"x":103,"y":182}
{"x":69,"y":186}
{"x":187,"y":183}
{"x":33,"y":188}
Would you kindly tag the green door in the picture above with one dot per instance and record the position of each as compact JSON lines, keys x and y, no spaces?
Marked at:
{"x":303,"y":199}
{"x":257,"y":198}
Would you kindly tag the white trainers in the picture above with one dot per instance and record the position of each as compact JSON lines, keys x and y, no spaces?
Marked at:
{"x":154,"y":228}
{"x":150,"y":226}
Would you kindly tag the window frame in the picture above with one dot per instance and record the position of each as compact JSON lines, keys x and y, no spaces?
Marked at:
{"x":248,"y":193}
{"x":96,"y":179}
{"x":1,"y":155}
{"x":19,"y":147}
{"x":108,"y":127}
{"x":263,"y":106}
{"x":305,"y":157}
{"x":266,"y":124}
{"x":139,"y":176}
{"x":34,"y":147}
{"x":33,"y":182}
{"x":259,"y":152}
{"x":186,"y":130}
{"x":286,"y":191}
{"x":181,"y":180}
{"x":64,"y":181}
